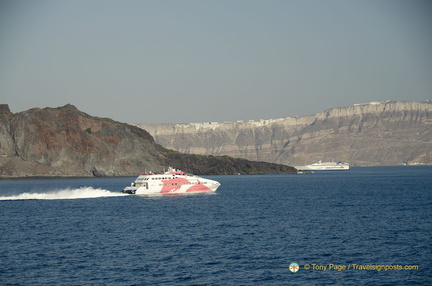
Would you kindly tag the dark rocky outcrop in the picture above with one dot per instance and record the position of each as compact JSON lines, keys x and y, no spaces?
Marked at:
{"x":224,"y":165}
{"x":67,"y":142}
{"x":4,"y":108}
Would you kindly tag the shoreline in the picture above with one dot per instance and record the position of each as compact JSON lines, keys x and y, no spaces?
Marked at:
{"x":128,"y":176}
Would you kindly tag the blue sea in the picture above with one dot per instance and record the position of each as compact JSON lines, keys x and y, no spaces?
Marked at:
{"x":365,"y":226}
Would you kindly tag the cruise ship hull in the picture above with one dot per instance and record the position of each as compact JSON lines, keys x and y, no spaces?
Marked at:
{"x":324,"y":166}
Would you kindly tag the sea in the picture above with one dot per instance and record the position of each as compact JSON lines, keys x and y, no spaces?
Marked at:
{"x":365,"y":226}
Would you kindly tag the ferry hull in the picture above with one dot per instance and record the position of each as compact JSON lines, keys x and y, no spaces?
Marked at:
{"x":171,"y":183}
{"x":183,"y":189}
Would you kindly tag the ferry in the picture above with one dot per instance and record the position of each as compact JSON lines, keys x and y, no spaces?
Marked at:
{"x":171,"y":182}
{"x":324,"y":166}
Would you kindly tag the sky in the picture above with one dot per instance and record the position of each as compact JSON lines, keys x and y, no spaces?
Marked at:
{"x":185,"y":61}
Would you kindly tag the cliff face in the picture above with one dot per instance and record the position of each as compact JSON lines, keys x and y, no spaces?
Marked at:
{"x":378,"y":133}
{"x":66,"y":142}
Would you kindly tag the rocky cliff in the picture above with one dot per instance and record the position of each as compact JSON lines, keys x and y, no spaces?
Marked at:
{"x":67,"y":142}
{"x":376,"y":133}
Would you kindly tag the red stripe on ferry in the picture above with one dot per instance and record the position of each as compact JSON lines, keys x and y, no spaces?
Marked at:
{"x":173,"y":185}
{"x":198,"y":188}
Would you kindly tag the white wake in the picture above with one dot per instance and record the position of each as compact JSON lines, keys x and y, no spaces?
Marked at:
{"x":81,"y":193}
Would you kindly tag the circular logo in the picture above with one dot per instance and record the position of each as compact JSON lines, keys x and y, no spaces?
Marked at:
{"x":294,"y":267}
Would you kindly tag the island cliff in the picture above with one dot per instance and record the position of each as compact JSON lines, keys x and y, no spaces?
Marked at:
{"x":376,"y":133}
{"x":67,"y":142}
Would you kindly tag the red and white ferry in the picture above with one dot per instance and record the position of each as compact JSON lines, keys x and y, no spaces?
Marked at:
{"x":171,"y":182}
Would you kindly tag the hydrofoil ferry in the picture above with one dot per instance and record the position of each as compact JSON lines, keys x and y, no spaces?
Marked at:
{"x":171,"y":182}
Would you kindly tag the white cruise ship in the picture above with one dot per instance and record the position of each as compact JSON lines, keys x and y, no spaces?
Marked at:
{"x":171,"y":182}
{"x":324,"y":166}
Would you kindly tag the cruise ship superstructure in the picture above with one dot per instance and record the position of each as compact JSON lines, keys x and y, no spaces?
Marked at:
{"x":324,"y":166}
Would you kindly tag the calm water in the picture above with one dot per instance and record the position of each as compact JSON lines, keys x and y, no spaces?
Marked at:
{"x":53,"y":233}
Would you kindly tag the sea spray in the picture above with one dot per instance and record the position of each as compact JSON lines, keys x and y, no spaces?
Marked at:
{"x":80,"y":193}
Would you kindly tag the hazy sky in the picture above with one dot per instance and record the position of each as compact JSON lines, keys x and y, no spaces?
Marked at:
{"x":196,"y":61}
